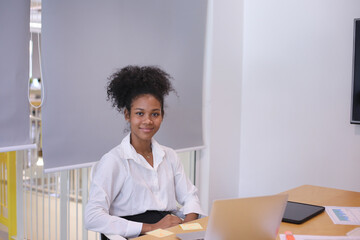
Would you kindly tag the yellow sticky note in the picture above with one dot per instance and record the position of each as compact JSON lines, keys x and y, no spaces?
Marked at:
{"x":191,"y":226}
{"x":160,"y":233}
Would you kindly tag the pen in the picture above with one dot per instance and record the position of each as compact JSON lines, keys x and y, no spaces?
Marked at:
{"x":289,"y":235}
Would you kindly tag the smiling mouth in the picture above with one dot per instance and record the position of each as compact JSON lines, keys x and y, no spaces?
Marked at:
{"x":146,"y":129}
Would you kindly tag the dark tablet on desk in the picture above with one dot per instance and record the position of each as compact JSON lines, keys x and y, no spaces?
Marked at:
{"x":296,"y":212}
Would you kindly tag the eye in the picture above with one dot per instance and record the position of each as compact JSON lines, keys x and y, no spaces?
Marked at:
{"x":139,"y":113}
{"x":156,"y":114}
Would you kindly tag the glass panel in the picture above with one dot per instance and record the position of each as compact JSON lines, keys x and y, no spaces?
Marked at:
{"x":188,"y":161}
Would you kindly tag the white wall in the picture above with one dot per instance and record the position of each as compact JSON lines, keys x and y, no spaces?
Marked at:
{"x":295,"y":114}
{"x":277,"y":99}
{"x":220,"y":161}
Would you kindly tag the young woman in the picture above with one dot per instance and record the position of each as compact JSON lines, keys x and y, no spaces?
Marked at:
{"x":136,"y":186}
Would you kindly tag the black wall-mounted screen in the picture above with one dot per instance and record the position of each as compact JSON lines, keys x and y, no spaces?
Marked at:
{"x":355,"y":108}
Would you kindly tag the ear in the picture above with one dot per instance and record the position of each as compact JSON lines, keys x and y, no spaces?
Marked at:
{"x":127,"y":115}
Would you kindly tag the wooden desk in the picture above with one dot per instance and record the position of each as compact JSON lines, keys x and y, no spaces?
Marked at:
{"x":319,"y":225}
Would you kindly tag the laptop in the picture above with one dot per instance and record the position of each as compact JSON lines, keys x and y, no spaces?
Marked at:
{"x":255,"y":218}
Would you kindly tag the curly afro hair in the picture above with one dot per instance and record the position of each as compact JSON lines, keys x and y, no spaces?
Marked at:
{"x":130,"y":82}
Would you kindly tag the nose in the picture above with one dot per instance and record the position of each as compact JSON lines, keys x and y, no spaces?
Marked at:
{"x":148,"y":120}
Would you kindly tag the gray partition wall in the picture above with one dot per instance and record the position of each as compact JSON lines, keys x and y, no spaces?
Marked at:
{"x":83,"y":42}
{"x":14,"y":74}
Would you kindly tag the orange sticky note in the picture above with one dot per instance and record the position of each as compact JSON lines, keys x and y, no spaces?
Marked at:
{"x":289,"y":235}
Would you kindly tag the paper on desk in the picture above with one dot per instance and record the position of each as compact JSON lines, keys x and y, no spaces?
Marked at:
{"x":160,"y":233}
{"x":344,"y":215}
{"x":313,"y":237}
{"x":354,"y":233}
{"x":191,"y":226}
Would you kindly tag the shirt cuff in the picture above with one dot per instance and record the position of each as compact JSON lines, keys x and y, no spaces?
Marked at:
{"x":133,"y":229}
{"x":192,"y":207}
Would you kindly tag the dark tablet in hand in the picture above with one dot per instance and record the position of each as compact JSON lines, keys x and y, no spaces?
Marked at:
{"x":298,"y":213}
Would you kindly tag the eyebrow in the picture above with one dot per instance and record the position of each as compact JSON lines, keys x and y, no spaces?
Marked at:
{"x":155,"y":109}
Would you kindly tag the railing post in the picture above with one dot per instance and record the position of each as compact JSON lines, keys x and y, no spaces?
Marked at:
{"x":19,"y":195}
{"x":64,"y":176}
{"x":84,"y":198}
{"x":11,"y":179}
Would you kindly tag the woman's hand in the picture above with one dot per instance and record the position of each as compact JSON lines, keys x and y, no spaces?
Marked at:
{"x":166,"y":222}
{"x":190,"y":217}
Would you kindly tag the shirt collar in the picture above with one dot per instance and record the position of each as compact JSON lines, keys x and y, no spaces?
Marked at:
{"x":130,"y":153}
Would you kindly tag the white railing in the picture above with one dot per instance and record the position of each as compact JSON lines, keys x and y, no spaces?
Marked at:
{"x":52,"y":204}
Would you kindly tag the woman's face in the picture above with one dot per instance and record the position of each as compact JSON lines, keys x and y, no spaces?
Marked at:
{"x":145,"y":117}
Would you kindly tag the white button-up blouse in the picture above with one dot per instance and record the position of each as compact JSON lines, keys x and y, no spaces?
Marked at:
{"x":124,"y":184}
